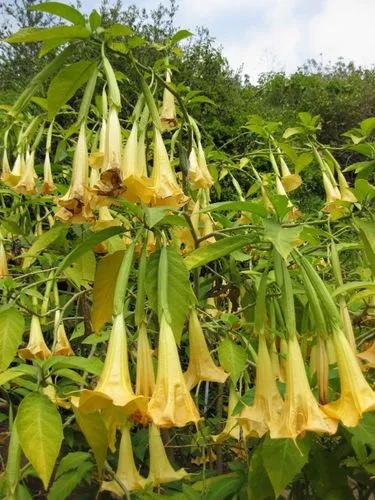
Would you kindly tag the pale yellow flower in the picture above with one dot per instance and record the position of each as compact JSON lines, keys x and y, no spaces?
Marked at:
{"x":168,"y":111}
{"x":36,"y":347}
{"x":48,"y":184}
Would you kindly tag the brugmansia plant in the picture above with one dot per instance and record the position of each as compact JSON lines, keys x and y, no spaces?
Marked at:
{"x":155,"y":339}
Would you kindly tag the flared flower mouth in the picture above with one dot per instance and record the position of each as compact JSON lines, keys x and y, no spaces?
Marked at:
{"x":291,"y":182}
{"x":114,"y":390}
{"x":61,"y":345}
{"x":17,"y":171}
{"x":127,"y":472}
{"x":300,"y":411}
{"x":75,"y":204}
{"x":161,"y":471}
{"x":36,"y":347}
{"x":356,"y":397}
{"x":262,"y":415}
{"x":171,"y":404}
{"x":26,"y":184}
{"x":232,"y":428}
{"x":201,"y":366}
{"x":167,"y":191}
{"x":199,"y":175}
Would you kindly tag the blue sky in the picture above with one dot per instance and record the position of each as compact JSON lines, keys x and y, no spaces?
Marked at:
{"x":266,"y":35}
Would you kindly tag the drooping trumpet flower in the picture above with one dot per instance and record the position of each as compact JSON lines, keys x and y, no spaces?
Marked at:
{"x":167,"y":191}
{"x":262,"y":415}
{"x":145,"y":382}
{"x":199,"y":175}
{"x":110,"y":183}
{"x":300,"y":411}
{"x":127,"y":472}
{"x":232,"y":427}
{"x":61,"y":345}
{"x":356,"y":397}
{"x":48,"y":184}
{"x":17,"y":171}
{"x":36,"y":347}
{"x":332,"y":195}
{"x":368,"y":356}
{"x":161,"y":470}
{"x":171,"y":404}
{"x":4,"y":272}
{"x":294,"y":212}
{"x":168,"y":111}
{"x":201,"y":366}
{"x":345,"y":192}
{"x":26,"y":184}
{"x":75,"y":204}
{"x":290,"y":181}
{"x":5,"y":167}
{"x":138,"y":186}
{"x":114,"y":390}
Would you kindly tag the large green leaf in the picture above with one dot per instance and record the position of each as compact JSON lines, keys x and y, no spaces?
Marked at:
{"x":28,"y":35}
{"x":66,"y":83}
{"x":179,"y":296}
{"x":91,"y":365}
{"x":70,"y":472}
{"x":104,"y":289}
{"x":87,"y":244}
{"x":42,"y":242}
{"x":365,"y":430}
{"x":95,"y":432}
{"x":284,"y":239}
{"x":214,"y":251}
{"x":40,"y":433}
{"x":232,"y":358}
{"x":62,"y":10}
{"x":367,"y":233}
{"x":283,"y":459}
{"x":259,"y":484}
{"x":12,"y":325}
{"x":82,"y":271}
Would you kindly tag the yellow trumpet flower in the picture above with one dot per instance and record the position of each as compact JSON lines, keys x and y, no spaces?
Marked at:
{"x":199,"y":175}
{"x":96,"y":159}
{"x":36,"y":347}
{"x":138,"y":186}
{"x":161,"y":470}
{"x":26,"y":184}
{"x":4,"y":272}
{"x":17,"y":171}
{"x":275,"y":362}
{"x":167,"y":191}
{"x":114,"y":390}
{"x":75,"y":204}
{"x":48,"y":184}
{"x":290,"y":181}
{"x":300,"y":411}
{"x":356,"y":397}
{"x":5,"y":167}
{"x":171,"y":404}
{"x":168,"y":111}
{"x":127,"y":472}
{"x":345,"y":192}
{"x":110,"y":178}
{"x":201,"y":366}
{"x":267,"y":405}
{"x":145,"y":382}
{"x":61,"y":345}
{"x":232,"y":427}
{"x":333,"y":196}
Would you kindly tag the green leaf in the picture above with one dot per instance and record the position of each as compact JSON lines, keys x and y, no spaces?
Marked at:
{"x":50,"y":45}
{"x":62,"y":10}
{"x":95,"y":20}
{"x":104,"y":289}
{"x":91,"y":365}
{"x":179,"y":295}
{"x":87,"y":244}
{"x":9,"y":375}
{"x":82,"y":271}
{"x":72,"y":461}
{"x":364,"y":431}
{"x":12,"y":325}
{"x":232,"y":358}
{"x":284,"y":239}
{"x":214,"y":251}
{"x":153,"y":215}
{"x":259,"y":484}
{"x":367,"y":233}
{"x":118,"y":29}
{"x":180,"y":35}
{"x":328,"y":480}
{"x":66,"y":83}
{"x":40,"y":433}
{"x":42,"y":242}
{"x":237,"y":206}
{"x":95,"y":432}
{"x":283,"y":459}
{"x":72,"y":469}
{"x":28,"y":35}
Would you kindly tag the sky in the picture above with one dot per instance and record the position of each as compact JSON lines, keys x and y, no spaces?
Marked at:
{"x":280,"y":35}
